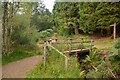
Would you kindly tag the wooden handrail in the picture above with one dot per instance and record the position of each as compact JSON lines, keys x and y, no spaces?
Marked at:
{"x":56,"y":50}
{"x":72,"y":42}
{"x":66,"y":58}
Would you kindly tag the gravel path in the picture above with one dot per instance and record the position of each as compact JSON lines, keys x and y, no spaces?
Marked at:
{"x":20,"y":68}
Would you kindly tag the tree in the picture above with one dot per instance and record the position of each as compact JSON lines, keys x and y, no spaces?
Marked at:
{"x":66,"y":17}
{"x":89,"y":17}
{"x":98,"y":17}
{"x":11,"y":11}
{"x":4,"y":27}
{"x":107,"y":12}
{"x":41,"y":17}
{"x":24,"y":34}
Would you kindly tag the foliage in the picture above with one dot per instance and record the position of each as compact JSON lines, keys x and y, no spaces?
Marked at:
{"x":41,"y":17}
{"x":115,"y":58}
{"x":98,"y":66}
{"x":55,"y":67}
{"x":65,"y":16}
{"x":46,"y":33}
{"x":87,"y":17}
{"x":117,"y":44}
{"x":95,"y":66}
{"x":22,"y":33}
{"x":93,"y":74}
{"x":22,"y":23}
{"x":101,"y":66}
{"x":41,"y":22}
{"x":115,"y":63}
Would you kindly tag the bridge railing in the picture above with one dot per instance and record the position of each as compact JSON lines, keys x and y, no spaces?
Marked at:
{"x":47,"y":44}
{"x":59,"y":44}
{"x":72,"y":44}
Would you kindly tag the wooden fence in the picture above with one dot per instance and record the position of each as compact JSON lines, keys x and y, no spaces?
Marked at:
{"x":69,"y":42}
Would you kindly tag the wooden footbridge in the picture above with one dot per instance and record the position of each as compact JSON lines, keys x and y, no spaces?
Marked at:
{"x":67,"y":47}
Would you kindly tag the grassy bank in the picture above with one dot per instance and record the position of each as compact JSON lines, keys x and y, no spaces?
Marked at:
{"x":55,"y":68}
{"x":93,"y":66}
{"x":18,"y":54}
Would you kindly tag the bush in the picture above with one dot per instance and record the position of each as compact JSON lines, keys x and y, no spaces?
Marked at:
{"x":49,"y":30}
{"x":117,"y":44}
{"x":39,"y":53}
{"x":115,"y":58}
{"x":24,"y":36}
{"x":46,"y":33}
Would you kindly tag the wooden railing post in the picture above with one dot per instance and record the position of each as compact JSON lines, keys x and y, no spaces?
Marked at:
{"x":91,"y":45}
{"x":44,"y":53}
{"x":50,"y":42}
{"x":114,"y":29}
{"x":66,"y":58}
{"x":81,"y":44}
{"x":66,"y":63}
{"x":69,"y":45}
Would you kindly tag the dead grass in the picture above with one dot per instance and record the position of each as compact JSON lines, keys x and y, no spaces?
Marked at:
{"x":101,"y":43}
{"x":104,"y":43}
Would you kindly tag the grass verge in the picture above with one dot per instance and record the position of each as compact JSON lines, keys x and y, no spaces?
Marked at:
{"x":17,"y":55}
{"x":55,"y":68}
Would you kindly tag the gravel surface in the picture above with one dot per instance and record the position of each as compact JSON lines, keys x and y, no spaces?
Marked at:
{"x":20,"y":68}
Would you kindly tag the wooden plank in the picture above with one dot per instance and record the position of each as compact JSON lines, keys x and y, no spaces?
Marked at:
{"x":71,"y":42}
{"x":79,"y":50}
{"x":68,"y":38}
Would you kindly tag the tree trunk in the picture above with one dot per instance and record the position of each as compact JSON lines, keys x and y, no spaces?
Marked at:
{"x":3,"y":34}
{"x":9,"y":30}
{"x":8,"y":39}
{"x":4,"y":28}
{"x":76,"y":30}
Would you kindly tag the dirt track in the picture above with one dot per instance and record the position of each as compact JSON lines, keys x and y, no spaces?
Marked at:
{"x":20,"y":68}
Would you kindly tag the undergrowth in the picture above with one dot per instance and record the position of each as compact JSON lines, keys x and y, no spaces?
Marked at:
{"x":55,"y":67}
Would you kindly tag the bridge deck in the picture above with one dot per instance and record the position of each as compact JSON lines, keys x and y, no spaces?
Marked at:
{"x":79,"y":51}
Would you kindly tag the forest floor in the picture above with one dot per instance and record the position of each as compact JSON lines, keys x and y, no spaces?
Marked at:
{"x":20,"y":68}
